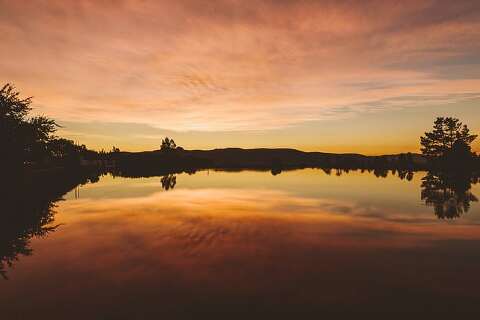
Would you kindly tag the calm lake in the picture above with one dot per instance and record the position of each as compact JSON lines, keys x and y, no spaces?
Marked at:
{"x":250,"y":244}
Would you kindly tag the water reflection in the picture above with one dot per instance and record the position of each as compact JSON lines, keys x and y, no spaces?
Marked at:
{"x":22,"y":220}
{"x":240,"y":242}
{"x":28,"y":210}
{"x":168,"y":181}
{"x":448,"y":193}
{"x":403,"y":174}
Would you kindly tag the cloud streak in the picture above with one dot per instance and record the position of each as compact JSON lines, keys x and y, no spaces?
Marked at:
{"x":238,"y":65}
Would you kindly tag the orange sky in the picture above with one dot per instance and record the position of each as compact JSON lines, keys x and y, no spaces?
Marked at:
{"x":359,"y":76}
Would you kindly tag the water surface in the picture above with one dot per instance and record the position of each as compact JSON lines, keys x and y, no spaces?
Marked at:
{"x":250,"y":244}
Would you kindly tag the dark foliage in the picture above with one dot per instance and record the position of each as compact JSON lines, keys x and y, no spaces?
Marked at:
{"x":31,"y":141}
{"x":448,"y":144}
{"x":168,"y":144}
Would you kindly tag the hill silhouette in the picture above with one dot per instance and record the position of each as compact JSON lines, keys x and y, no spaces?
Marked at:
{"x":178,"y":159}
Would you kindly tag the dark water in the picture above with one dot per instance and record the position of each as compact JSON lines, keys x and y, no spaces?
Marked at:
{"x":247,"y":245}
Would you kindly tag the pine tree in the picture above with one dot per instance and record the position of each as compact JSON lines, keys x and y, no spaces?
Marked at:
{"x":168,"y":144}
{"x":446,"y":132}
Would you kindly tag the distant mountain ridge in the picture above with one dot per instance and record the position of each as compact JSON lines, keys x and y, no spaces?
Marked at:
{"x":261,"y":158}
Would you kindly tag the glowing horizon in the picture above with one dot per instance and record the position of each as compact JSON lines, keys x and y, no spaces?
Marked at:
{"x":338,"y":76}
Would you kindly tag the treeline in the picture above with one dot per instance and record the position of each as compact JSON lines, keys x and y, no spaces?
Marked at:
{"x":30,"y":141}
{"x":446,"y":148}
{"x":178,"y":160}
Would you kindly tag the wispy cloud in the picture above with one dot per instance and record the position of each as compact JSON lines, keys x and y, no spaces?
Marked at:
{"x":238,"y":65}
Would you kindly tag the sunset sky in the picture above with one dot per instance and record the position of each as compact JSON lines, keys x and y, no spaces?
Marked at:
{"x":338,"y":76}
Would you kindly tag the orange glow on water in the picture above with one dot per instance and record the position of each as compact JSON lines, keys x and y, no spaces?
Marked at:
{"x":231,"y":236}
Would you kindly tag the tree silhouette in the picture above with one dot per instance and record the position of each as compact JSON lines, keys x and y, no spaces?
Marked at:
{"x":168,"y":144}
{"x":40,"y":133}
{"x":445,"y":134}
{"x":14,"y":128}
{"x":12,"y":107}
{"x":22,"y":138}
{"x":28,"y":140}
{"x":460,"y":156}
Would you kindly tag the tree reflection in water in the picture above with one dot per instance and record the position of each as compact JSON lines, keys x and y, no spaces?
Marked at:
{"x":448,"y":193}
{"x":28,"y":211}
{"x":168,"y":181}
{"x":26,"y":219}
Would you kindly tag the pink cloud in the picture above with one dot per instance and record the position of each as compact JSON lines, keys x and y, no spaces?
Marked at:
{"x":230,"y":65}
